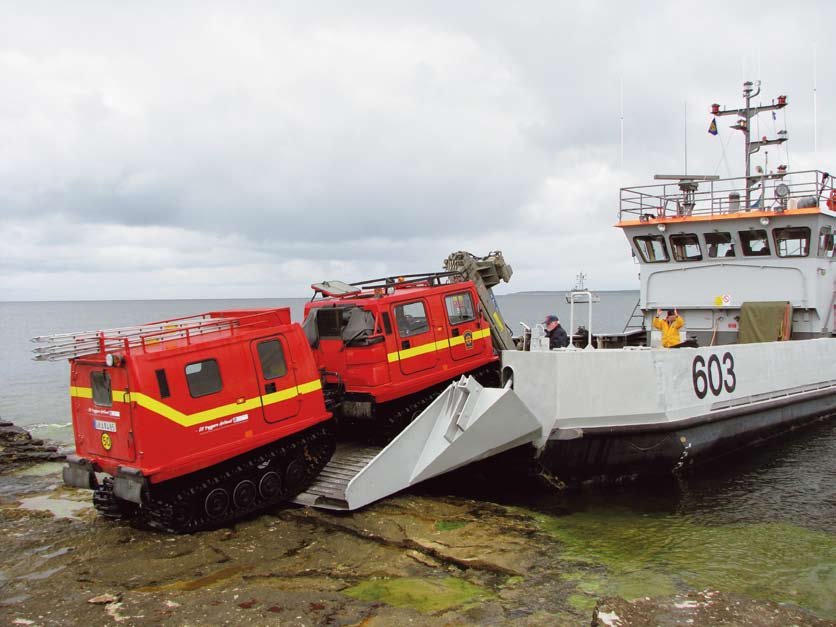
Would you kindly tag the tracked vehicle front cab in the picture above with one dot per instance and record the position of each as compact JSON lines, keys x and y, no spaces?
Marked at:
{"x":382,"y":342}
{"x":189,"y":394}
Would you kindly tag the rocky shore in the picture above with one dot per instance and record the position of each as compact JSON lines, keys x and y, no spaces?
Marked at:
{"x":414,"y":559}
{"x":19,"y":449}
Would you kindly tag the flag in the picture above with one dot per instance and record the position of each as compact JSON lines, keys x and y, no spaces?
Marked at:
{"x":712,"y":128}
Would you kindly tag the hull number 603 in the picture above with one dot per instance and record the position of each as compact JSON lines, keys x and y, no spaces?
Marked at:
{"x":714,"y":375}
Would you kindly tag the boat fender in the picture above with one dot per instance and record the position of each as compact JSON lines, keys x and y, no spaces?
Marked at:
{"x":831,"y":201}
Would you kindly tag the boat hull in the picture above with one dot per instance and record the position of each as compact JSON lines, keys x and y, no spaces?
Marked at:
{"x":611,"y":415}
{"x":619,"y":454}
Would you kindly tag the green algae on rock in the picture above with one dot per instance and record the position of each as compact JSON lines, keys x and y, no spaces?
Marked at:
{"x":424,"y":595}
{"x":654,"y":555}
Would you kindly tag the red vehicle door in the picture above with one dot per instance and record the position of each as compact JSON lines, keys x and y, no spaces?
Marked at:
{"x":277,"y":381}
{"x":466,"y":337}
{"x":102,"y":411}
{"x":416,"y":342}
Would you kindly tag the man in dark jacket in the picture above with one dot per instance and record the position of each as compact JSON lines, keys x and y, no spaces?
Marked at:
{"x":557,"y":335}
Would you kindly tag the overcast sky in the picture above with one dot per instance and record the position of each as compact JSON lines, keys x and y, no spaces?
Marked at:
{"x":211,"y":150}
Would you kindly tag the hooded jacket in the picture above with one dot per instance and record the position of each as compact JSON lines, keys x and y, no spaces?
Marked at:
{"x":670,"y":332}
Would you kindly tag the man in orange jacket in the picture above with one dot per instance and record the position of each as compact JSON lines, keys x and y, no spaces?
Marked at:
{"x":669,"y":326}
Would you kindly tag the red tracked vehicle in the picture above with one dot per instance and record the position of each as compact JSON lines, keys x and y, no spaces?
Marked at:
{"x":389,"y":346}
{"x":197,"y":420}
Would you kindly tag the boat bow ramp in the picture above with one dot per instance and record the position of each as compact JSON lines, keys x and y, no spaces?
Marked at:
{"x":466,"y":423}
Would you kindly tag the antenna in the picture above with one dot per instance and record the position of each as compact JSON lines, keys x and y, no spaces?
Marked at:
{"x":815,"y":112}
{"x":622,"y":123}
{"x":686,"y":136}
{"x":745,"y":115}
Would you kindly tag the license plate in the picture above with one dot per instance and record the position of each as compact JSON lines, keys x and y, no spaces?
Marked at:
{"x":104,"y":425}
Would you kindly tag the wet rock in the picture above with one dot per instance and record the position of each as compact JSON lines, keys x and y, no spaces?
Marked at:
{"x":707,"y":608}
{"x":104,"y":599}
{"x":411,"y":560}
{"x":18,"y":449}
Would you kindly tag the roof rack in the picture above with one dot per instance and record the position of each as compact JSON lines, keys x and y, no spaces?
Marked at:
{"x":338,"y":289}
{"x":72,"y":345}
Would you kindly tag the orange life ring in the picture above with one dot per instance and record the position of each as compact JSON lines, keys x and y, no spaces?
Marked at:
{"x":831,"y":202}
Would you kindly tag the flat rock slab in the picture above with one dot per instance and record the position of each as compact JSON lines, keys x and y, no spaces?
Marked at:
{"x":410,"y":560}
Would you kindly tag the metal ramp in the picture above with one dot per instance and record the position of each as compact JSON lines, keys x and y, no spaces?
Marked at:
{"x":466,"y":423}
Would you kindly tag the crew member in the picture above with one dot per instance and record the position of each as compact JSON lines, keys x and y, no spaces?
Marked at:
{"x":669,"y":326}
{"x":557,"y":335}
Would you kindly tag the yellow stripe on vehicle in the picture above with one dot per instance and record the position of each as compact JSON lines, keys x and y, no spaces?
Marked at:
{"x":81,"y":392}
{"x":430,"y":347}
{"x":190,"y":420}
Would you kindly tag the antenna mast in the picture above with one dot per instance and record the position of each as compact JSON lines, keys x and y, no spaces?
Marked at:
{"x":751,"y":90}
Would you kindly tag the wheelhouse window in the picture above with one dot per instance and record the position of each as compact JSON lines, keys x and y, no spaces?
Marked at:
{"x":826,"y":242}
{"x":686,"y":247}
{"x":411,"y":319}
{"x":459,"y":308}
{"x":651,"y":248}
{"x":792,"y":241}
{"x":203,"y":378}
{"x":271,"y":356}
{"x":754,"y":243}
{"x":719,"y":244}
{"x":100,"y":384}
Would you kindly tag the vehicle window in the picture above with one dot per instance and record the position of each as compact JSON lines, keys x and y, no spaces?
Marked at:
{"x":100,"y":383}
{"x":459,"y":308}
{"x":204,"y":378}
{"x":792,"y":241}
{"x":271,"y":356}
{"x":754,"y":243}
{"x":686,"y":247}
{"x":651,"y":248}
{"x":329,"y":322}
{"x":719,"y":244}
{"x":162,"y":383}
{"x":411,"y":319}
{"x":826,"y":242}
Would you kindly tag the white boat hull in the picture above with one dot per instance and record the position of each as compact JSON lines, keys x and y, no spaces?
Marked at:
{"x":613,"y":413}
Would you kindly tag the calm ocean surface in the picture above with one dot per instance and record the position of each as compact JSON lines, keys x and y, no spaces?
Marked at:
{"x":762,"y":523}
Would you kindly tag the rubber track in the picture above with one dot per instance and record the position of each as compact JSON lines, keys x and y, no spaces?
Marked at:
{"x":177,"y":506}
{"x":110,"y":506}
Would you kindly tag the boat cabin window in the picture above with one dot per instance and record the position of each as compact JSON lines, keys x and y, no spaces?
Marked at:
{"x":651,"y":248}
{"x":459,"y":308}
{"x":754,"y":243}
{"x":204,"y":378}
{"x":719,"y":244}
{"x":100,"y":383}
{"x":271,"y":356}
{"x":411,"y":319}
{"x":826,"y":242}
{"x":686,"y":247}
{"x":792,"y":241}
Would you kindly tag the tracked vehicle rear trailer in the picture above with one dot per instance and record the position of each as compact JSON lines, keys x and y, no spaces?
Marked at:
{"x":196,"y":420}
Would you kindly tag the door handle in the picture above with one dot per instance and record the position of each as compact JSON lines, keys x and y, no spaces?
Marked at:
{"x":270,"y":388}
{"x":456,"y":332}
{"x":404,"y":344}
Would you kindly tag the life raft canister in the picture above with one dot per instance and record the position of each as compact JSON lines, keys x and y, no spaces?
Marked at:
{"x":831,"y":201}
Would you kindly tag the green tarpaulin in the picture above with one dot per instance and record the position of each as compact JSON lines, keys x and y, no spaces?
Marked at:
{"x":765,"y":322}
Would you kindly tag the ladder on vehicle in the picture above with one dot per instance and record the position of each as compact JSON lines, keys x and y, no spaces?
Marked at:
{"x":77,"y":344}
{"x":466,"y":423}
